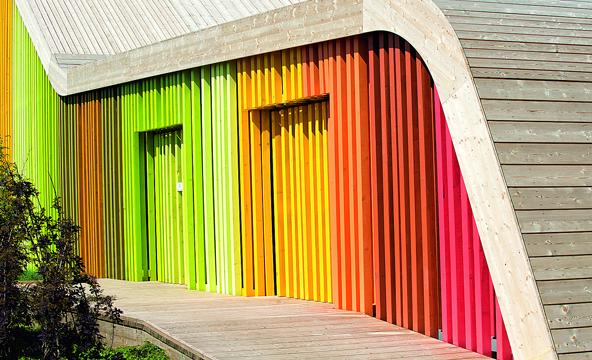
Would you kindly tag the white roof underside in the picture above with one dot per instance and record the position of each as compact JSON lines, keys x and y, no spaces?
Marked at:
{"x":80,"y":31}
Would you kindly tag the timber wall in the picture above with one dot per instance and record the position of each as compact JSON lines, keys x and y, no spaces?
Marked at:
{"x":531,"y":66}
{"x":323,"y":172}
{"x":35,"y":117}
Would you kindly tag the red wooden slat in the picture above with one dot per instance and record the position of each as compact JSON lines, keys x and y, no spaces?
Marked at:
{"x":392,"y":259}
{"x":379,"y":238}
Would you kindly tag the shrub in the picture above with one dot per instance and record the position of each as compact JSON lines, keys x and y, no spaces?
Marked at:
{"x":16,"y":199}
{"x":63,"y":306}
{"x":66,"y":302}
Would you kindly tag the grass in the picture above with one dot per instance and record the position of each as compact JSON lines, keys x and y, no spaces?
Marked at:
{"x":147,"y":351}
{"x":29,"y":275}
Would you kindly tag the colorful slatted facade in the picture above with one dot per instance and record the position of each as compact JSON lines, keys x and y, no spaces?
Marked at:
{"x":324,"y":172}
{"x":6,"y":14}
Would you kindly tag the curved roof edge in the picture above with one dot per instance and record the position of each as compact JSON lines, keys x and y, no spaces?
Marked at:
{"x":425,"y":27}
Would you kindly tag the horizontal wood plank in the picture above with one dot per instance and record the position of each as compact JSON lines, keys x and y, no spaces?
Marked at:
{"x":545,"y":154}
{"x":527,"y":18}
{"x":549,"y":221}
{"x":576,"y":356}
{"x":515,"y":21}
{"x":573,"y":340}
{"x":499,"y":36}
{"x":504,"y":89}
{"x":533,"y":65}
{"x":569,"y":315}
{"x":518,"y":8}
{"x":547,"y":175}
{"x":541,"y":132}
{"x":551,"y":198}
{"x":558,"y":244}
{"x":565,"y":291}
{"x":523,"y":29}
{"x":522,"y":46}
{"x":562,"y":267}
{"x":554,"y":75}
{"x":537,"y":111}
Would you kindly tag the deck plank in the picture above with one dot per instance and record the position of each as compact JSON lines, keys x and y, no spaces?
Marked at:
{"x":227,"y":327}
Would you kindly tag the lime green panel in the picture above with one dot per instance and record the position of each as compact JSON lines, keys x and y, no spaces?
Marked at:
{"x":148,"y":106}
{"x":225,"y":176}
{"x":35,"y":113}
{"x":202,"y":105}
{"x":165,"y":207}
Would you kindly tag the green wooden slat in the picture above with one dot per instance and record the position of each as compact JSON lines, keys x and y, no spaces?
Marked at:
{"x":219,"y":203}
{"x":159,"y":205}
{"x":189,"y":240}
{"x":151,"y":206}
{"x":177,"y":136}
{"x":232,"y":128}
{"x":208,"y":178}
{"x":196,"y":194}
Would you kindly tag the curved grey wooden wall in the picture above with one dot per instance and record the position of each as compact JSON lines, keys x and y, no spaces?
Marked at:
{"x":532,"y":65}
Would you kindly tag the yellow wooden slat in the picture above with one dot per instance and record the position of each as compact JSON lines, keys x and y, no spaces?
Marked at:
{"x":327,"y":232}
{"x":286,"y":199}
{"x":256,"y":181}
{"x":317,"y":208}
{"x":278,"y":194}
{"x":312,"y":213}
{"x":267,"y":210}
{"x":293,"y":202}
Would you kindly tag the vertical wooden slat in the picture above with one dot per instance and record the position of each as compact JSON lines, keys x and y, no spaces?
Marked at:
{"x":286,"y":201}
{"x":266,"y":164}
{"x":6,"y":71}
{"x":208,"y":179}
{"x":279,"y":210}
{"x":334,"y":181}
{"x":379,"y":225}
{"x":404,"y":253}
{"x":392,"y":248}
{"x":428,"y":207}
{"x":343,"y":189}
{"x":292,"y":150}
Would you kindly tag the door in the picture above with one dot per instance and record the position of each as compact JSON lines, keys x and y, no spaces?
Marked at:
{"x":164,"y":206}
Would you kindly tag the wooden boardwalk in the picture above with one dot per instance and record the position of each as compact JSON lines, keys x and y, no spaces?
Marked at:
{"x":228,"y":327}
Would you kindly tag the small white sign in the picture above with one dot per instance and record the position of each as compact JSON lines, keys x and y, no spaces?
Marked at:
{"x":179,"y":186}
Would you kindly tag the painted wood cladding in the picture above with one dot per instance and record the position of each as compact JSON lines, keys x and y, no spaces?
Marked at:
{"x":203,"y":104}
{"x":470,"y":313}
{"x":90,"y":188}
{"x":6,"y":14}
{"x":148,"y":105}
{"x":68,"y":157}
{"x":112,"y":183}
{"x":165,"y":206}
{"x":322,"y":172}
{"x":35,"y":125}
{"x":285,"y":224}
{"x":403,"y":165}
